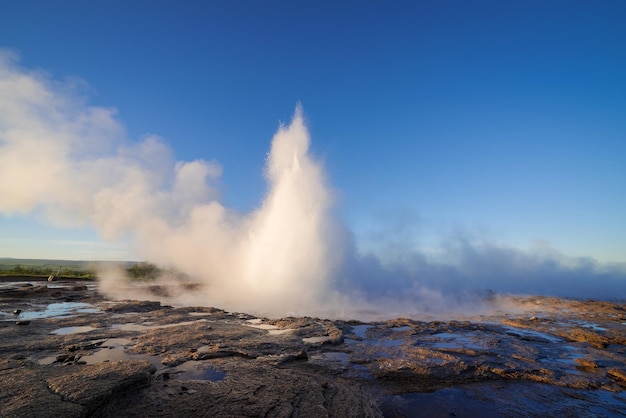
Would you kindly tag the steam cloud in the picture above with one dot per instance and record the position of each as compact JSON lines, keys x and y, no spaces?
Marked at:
{"x":71,"y":164}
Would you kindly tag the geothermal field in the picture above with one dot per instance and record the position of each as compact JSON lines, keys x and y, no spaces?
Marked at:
{"x":68,"y":350}
{"x":277,"y":310}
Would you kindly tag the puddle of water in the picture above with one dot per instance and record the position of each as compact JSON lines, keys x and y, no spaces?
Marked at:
{"x":339,"y":357}
{"x":58,"y":310}
{"x":343,"y":361}
{"x":279,"y":331}
{"x":390,"y":343}
{"x":198,"y":370}
{"x":111,"y":350}
{"x":442,"y":403}
{"x":401,"y":329}
{"x":532,"y":334}
{"x":456,"y":341}
{"x":594,"y":327}
{"x":573,"y":351}
{"x":114,"y":349}
{"x":47,"y":360}
{"x":147,"y":325}
{"x":72,"y":330}
{"x":132,"y":327}
{"x":360,"y":330}
{"x":332,"y":356}
{"x":271,"y":329}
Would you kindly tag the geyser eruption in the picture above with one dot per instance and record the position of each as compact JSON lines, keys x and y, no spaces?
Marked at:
{"x":287,"y":248}
{"x":277,"y":259}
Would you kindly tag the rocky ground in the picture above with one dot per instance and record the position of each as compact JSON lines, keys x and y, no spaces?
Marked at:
{"x":67,"y":351}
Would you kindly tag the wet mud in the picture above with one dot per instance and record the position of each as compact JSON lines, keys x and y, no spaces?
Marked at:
{"x":65,"y":350}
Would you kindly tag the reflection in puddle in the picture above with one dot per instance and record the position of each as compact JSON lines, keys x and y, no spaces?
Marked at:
{"x":198,"y":370}
{"x":111,"y":350}
{"x":72,"y":330}
{"x":114,"y":349}
{"x":58,"y":310}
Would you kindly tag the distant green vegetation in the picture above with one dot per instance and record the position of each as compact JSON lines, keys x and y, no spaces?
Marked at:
{"x":38,"y":268}
{"x":143,"y":271}
{"x":72,"y":269}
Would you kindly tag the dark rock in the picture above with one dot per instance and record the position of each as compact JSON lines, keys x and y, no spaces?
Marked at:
{"x":307,"y":366}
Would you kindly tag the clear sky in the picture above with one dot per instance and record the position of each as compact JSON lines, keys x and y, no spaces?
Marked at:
{"x":501,"y":120}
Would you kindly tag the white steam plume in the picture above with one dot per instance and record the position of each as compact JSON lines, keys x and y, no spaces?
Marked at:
{"x":278,"y":258}
{"x":71,"y":164}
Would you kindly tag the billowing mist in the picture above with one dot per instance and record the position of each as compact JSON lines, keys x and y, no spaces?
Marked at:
{"x":71,"y":164}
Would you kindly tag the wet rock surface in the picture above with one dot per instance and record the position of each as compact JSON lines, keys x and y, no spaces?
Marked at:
{"x":76,"y":354}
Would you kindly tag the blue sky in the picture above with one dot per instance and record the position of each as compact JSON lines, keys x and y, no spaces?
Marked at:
{"x":503,"y":121}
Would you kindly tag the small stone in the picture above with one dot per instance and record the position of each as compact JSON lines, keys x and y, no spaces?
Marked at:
{"x":22,"y":322}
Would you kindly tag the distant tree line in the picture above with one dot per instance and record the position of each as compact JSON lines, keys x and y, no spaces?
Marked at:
{"x":136,"y":271}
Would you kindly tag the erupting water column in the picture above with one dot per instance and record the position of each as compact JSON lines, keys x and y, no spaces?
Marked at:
{"x":289,"y":256}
